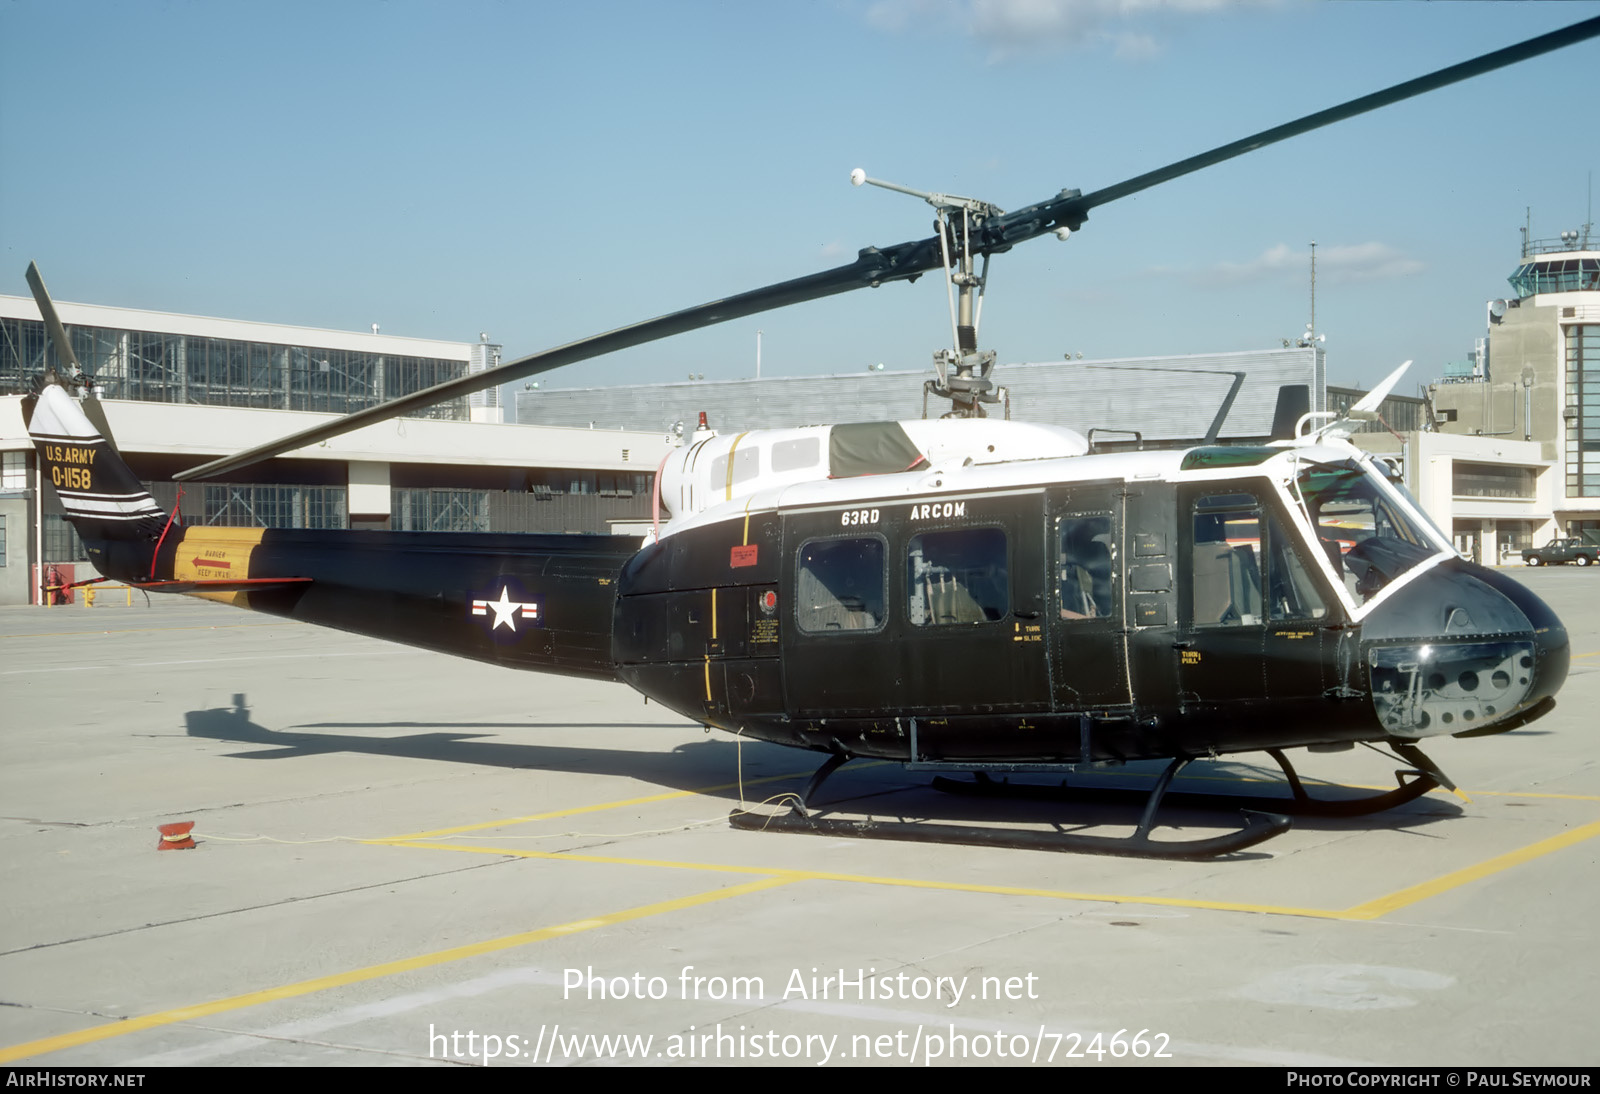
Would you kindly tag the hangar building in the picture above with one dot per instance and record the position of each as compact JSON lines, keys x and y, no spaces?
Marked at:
{"x":180,"y":390}
{"x":1166,"y":400}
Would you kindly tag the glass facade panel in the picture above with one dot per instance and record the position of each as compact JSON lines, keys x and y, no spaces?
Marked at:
{"x":440,"y":510}
{"x":1482,"y":480}
{"x":1582,"y":346}
{"x":174,"y":368}
{"x":271,"y":506}
{"x":1556,"y":275}
{"x":15,"y":475}
{"x":61,"y":542}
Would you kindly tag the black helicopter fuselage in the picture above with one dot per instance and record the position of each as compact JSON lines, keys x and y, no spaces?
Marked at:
{"x":1017,"y":611}
{"x":1115,"y":619}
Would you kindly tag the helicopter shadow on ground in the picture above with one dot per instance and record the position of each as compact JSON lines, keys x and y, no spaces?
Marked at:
{"x":1096,"y":799}
{"x":684,"y":767}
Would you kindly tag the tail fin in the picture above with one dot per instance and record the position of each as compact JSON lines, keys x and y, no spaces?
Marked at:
{"x":102,"y":496}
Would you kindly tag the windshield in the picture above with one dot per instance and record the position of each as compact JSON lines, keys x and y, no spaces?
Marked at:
{"x":1368,"y":537}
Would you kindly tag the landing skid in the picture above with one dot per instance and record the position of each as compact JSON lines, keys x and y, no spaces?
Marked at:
{"x":1257,"y":827}
{"x":1412,"y":785}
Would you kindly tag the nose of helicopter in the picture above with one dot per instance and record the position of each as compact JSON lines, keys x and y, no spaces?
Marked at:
{"x":1463,"y":650}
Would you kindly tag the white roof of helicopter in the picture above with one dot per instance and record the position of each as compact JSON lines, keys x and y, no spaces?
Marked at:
{"x":973,"y":456}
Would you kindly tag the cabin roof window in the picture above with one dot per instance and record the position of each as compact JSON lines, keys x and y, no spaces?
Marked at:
{"x":797,"y":454}
{"x":746,"y":466}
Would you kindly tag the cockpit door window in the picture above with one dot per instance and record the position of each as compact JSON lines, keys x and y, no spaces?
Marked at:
{"x":1246,"y":569}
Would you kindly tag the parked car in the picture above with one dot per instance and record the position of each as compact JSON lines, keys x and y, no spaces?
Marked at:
{"x":1579,"y":551}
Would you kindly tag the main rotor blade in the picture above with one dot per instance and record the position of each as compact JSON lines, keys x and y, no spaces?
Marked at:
{"x":1070,"y":209}
{"x":904,"y":261}
{"x":872,"y":267}
{"x":1466,"y":70}
{"x":52,"y":322}
{"x":69,"y":360}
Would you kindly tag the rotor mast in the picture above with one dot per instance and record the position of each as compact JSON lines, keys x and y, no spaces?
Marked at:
{"x":963,"y":371}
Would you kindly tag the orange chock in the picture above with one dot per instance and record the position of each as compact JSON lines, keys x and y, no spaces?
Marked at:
{"x":176,"y":837}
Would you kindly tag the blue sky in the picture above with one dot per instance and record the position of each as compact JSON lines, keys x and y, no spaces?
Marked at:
{"x":547,"y":171}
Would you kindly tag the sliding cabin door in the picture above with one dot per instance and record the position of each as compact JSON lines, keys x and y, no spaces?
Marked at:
{"x":917,"y":608}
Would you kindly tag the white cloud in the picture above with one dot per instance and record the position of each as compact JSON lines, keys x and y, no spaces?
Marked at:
{"x":1336,"y":265}
{"x":1134,"y":47}
{"x":1030,"y":26}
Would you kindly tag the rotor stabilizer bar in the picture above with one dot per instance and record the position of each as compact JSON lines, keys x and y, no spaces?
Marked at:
{"x":990,"y":234}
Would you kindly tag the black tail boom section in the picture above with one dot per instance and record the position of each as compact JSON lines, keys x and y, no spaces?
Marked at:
{"x":541,"y":602}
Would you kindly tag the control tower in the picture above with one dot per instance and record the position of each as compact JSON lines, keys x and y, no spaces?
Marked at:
{"x":1537,"y":375}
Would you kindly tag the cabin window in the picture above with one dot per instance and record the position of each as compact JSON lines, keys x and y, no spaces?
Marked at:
{"x":841,"y":586}
{"x":1368,"y":538}
{"x":1245,"y":567}
{"x":957,"y":577}
{"x":746,"y":465}
{"x":1087,"y":567}
{"x":1227,"y":560}
{"x":1291,"y":594}
{"x":798,"y":454}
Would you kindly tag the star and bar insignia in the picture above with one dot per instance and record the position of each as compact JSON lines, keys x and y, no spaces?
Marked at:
{"x":505,"y":605}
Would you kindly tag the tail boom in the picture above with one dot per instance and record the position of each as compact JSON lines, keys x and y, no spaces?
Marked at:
{"x":541,"y":602}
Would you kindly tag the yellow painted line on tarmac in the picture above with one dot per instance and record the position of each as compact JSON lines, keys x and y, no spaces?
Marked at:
{"x":373,"y":972}
{"x":899,"y":882}
{"x":1534,"y":794}
{"x":601,"y":807}
{"x":1375,"y":909}
{"x":1372,"y":909}
{"x":1592,"y":653}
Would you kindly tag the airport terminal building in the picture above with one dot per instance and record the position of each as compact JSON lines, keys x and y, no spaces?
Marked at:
{"x":180,"y":390}
{"x":1516,"y":441}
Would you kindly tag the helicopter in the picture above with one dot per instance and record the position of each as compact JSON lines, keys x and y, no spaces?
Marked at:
{"x":963,"y":594}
